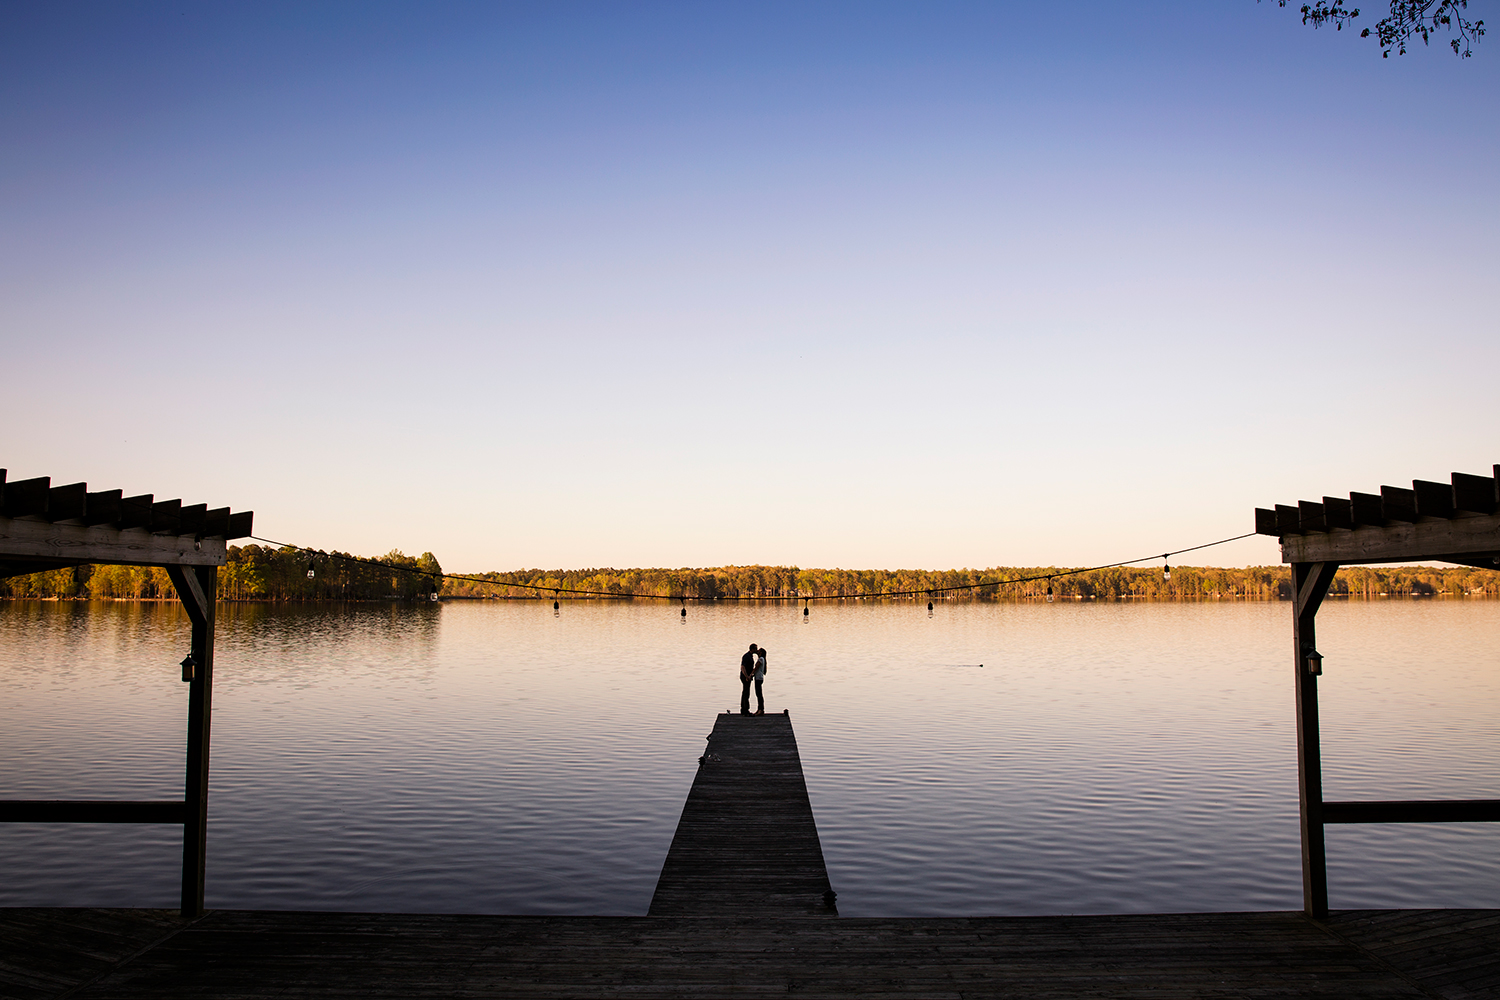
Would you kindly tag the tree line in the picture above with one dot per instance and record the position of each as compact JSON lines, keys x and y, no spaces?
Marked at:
{"x":1122,"y":582}
{"x":253,"y":573}
{"x":262,"y":573}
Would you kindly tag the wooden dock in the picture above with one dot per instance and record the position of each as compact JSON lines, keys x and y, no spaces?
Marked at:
{"x":746,"y":844}
{"x":739,"y":911}
{"x":54,"y":954}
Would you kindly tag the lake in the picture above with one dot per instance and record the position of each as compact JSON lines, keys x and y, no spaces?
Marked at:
{"x":988,"y":759}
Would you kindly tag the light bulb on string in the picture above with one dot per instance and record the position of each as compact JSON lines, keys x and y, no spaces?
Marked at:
{"x":804,"y":611}
{"x":1166,"y":569}
{"x":929,"y":604}
{"x":1049,"y":590}
{"x":684,"y":611}
{"x":556,"y":605}
{"x":310,"y":573}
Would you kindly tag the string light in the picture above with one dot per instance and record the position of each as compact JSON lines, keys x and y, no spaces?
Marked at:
{"x":557,"y":591}
{"x":1166,"y":569}
{"x":684,"y":611}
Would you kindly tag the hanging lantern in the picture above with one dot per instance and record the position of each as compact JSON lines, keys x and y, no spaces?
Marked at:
{"x":1166,"y":569}
{"x":1049,"y":590}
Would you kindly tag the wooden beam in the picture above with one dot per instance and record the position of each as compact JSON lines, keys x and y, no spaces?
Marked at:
{"x":191,"y":520}
{"x":54,"y":811}
{"x":135,"y":512}
{"x":1451,"y":811}
{"x":1397,"y":504}
{"x":1432,"y":499}
{"x":190,"y":592}
{"x":200,"y":714}
{"x":1310,"y":516}
{"x":1310,"y":582}
{"x":1463,"y":536}
{"x":1288,"y":520}
{"x":74,"y":544}
{"x":1265,"y":522}
{"x":1338,"y":512}
{"x":215,"y":523}
{"x":165,"y":515}
{"x":67,"y":503}
{"x":27,"y":498}
{"x":240,"y":524}
{"x":1364,"y":508}
{"x":102,"y":507}
{"x":1476,"y":494}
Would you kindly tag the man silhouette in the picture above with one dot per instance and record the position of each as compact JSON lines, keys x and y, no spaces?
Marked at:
{"x":747,"y":674}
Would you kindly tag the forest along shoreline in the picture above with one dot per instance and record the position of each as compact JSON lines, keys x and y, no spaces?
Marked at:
{"x":265,"y":573}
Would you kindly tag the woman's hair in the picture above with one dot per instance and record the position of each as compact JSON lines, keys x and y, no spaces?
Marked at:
{"x":762,"y":651}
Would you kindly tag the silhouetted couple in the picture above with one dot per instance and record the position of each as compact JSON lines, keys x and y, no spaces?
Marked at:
{"x":752,"y":668}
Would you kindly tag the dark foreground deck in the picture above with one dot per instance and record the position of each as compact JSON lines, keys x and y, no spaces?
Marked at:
{"x":94,"y":954}
{"x":746,"y":844}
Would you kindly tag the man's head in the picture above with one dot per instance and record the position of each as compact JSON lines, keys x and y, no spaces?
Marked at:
{"x":753,"y":647}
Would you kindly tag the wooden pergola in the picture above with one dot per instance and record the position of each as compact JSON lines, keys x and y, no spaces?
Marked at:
{"x":1457,"y":522}
{"x":44,"y":527}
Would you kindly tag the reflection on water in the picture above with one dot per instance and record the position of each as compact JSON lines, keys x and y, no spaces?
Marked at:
{"x":490,"y":757}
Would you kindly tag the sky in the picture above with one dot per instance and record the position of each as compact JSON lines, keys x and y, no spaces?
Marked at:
{"x":873,"y":285}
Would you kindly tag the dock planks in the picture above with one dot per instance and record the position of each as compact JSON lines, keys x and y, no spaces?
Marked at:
{"x":746,"y":844}
{"x":248,"y":955}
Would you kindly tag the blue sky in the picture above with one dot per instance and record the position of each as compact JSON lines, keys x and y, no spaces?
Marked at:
{"x":864,"y":284}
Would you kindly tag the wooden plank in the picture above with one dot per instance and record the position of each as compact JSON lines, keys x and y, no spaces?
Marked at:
{"x":1398,"y":504}
{"x":135,"y":512}
{"x":1414,"y":811}
{"x":190,"y":520}
{"x":1288,"y":519}
{"x":1311,"y":516}
{"x":240,"y":524}
{"x":1448,"y":953}
{"x":1265,"y":522}
{"x":44,"y":953}
{"x":26,"y":498}
{"x":1475,"y":494}
{"x":1432,"y":499}
{"x":66,"y":503}
{"x":1339,"y":512}
{"x":1310,"y":582}
{"x":73,"y":544}
{"x":1365,"y":508}
{"x":165,"y":517}
{"x":746,"y":842}
{"x":215,"y":523}
{"x":103,"y":507}
{"x":336,"y":955}
{"x":89,"y":811}
{"x":1464,"y":536}
{"x":204,"y":584}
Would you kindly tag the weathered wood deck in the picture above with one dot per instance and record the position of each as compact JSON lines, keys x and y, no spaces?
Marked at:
{"x":739,"y":912}
{"x":152,"y":955}
{"x":746,"y":844}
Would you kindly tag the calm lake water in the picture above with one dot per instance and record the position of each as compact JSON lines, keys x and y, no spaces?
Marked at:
{"x":490,"y":757}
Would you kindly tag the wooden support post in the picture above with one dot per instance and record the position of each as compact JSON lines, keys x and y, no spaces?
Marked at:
{"x":1310,"y":583}
{"x":197,"y":586}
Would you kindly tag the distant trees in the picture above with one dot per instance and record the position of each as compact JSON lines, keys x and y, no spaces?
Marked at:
{"x":1407,"y":20}
{"x":253,"y":573}
{"x":261,"y":573}
{"x":1121,"y":582}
